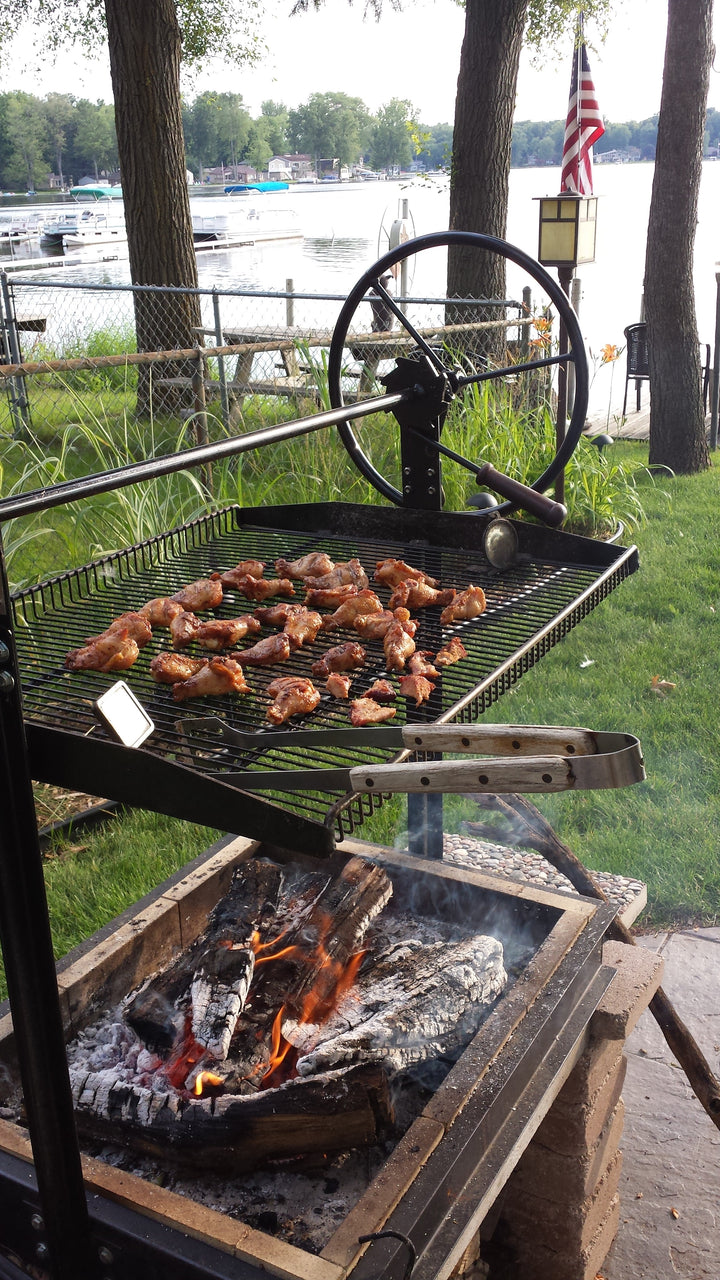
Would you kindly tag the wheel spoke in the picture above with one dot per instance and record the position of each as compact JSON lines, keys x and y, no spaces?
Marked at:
{"x":410,"y":329}
{"x":466,"y":380}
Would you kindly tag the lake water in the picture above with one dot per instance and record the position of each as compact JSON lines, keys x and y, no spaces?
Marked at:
{"x":342,"y":225}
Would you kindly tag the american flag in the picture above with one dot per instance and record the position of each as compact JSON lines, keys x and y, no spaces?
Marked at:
{"x":583,"y":126}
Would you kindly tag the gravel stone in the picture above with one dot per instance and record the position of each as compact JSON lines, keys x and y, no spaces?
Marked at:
{"x":531,"y":867}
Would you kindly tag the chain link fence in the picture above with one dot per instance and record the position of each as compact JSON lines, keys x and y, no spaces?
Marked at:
{"x":70,"y":351}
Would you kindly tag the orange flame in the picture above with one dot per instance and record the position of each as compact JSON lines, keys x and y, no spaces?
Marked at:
{"x":333,"y":980}
{"x":204,"y":1078}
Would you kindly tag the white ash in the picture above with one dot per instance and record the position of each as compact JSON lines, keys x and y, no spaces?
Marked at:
{"x":427,"y":1010}
{"x":216,"y":1007}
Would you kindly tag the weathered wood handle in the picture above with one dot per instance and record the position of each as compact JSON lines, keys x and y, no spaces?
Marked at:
{"x":530,"y":500}
{"x":508,"y":739}
{"x":534,"y":773}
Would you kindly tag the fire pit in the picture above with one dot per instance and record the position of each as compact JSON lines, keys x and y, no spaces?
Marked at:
{"x":456,"y":1127}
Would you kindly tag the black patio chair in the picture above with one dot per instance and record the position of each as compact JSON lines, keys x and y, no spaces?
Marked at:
{"x":638,"y":368}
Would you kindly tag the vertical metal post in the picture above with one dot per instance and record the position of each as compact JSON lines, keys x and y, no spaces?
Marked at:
{"x":715,"y":391}
{"x":404,"y":265}
{"x":32,"y":987}
{"x":17,"y":391}
{"x":290,"y":303}
{"x":525,"y":330}
{"x":422,"y":489}
{"x":565,"y":275}
{"x":224,"y":403}
{"x":575,"y":296}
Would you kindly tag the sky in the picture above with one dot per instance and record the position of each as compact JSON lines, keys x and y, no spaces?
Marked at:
{"x":413,"y":55}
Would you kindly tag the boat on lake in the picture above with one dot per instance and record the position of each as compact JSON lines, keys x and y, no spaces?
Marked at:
{"x":246,"y":214}
{"x":92,"y":218}
{"x":20,"y":225}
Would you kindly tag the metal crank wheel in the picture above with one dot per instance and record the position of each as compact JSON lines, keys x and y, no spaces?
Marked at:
{"x":389,"y":343}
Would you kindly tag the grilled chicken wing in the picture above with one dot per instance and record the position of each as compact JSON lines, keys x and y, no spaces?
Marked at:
{"x":302,"y":626}
{"x":381,"y":691}
{"x":343,"y":657}
{"x":219,"y":675}
{"x":183,"y":629}
{"x":229,"y":579}
{"x":417,"y":687}
{"x":374,"y":626}
{"x":359,"y":606}
{"x":416,"y":595}
{"x":161,"y":611}
{"x":168,"y":668}
{"x":276,"y":615}
{"x":263,"y":588}
{"x":314,"y":565}
{"x":293,"y":696}
{"x":451,"y":652}
{"x":329,"y":597}
{"x":398,"y":646}
{"x":349,"y":572}
{"x":338,"y":685}
{"x":391,"y":572}
{"x":223,"y":633}
{"x":111,"y":651}
{"x":467,"y":604}
{"x":368,"y":711}
{"x":420,"y":665}
{"x":134,"y":625}
{"x":206,"y":593}
{"x":272,"y":649}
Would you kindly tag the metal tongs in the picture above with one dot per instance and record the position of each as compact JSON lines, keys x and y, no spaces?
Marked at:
{"x":524,"y":758}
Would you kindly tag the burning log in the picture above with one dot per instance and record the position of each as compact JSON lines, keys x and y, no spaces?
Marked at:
{"x":230,"y":1134}
{"x":220,"y":962}
{"x":217,"y":1001}
{"x":403,"y":1012}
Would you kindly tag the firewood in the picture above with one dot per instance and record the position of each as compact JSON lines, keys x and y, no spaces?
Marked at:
{"x":539,"y":835}
{"x":219,"y":955}
{"x":230,"y":1134}
{"x":217,"y":998}
{"x":426,"y":1006}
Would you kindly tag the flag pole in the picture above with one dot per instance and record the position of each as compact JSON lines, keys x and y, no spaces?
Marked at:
{"x":565,"y":275}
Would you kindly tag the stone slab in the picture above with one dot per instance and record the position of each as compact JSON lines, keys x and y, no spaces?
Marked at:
{"x":538,"y":1262}
{"x":671,"y":1147}
{"x":692,"y":983}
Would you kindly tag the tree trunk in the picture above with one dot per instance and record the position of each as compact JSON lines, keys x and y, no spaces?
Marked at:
{"x":678,"y":436}
{"x":482,"y":136}
{"x":145,"y":47}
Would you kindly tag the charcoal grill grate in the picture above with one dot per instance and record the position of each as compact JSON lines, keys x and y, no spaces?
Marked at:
{"x":531,"y":606}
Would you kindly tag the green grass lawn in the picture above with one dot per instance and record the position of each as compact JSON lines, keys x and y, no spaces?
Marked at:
{"x":662,"y":622}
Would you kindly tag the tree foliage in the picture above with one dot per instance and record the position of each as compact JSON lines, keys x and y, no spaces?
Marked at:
{"x":390,"y":135}
{"x":330,"y":125}
{"x":208,"y":28}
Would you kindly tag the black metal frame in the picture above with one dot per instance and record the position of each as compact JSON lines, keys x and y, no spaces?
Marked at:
{"x":69,"y":1232}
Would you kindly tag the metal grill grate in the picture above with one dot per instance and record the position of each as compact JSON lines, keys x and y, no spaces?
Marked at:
{"x":530,"y":607}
